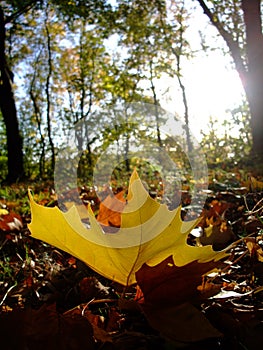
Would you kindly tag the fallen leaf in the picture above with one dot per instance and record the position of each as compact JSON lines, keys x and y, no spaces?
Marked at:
{"x":10,"y":221}
{"x":110,"y":210}
{"x":219,"y":236}
{"x":167,"y":291}
{"x":99,"y":333}
{"x":230,"y":294}
{"x":255,"y":185}
{"x":96,"y":321}
{"x":149,"y":233}
{"x":3,"y":212}
{"x":169,"y":284}
{"x":114,"y":320}
{"x":90,"y":288}
{"x":208,"y":288}
{"x":183,"y":323}
{"x":45,"y":329}
{"x":254,"y":248}
{"x":246,"y":332}
{"x":216,"y":208}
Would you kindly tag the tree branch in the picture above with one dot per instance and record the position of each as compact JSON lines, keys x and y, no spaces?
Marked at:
{"x":231,"y":43}
{"x":20,"y":11}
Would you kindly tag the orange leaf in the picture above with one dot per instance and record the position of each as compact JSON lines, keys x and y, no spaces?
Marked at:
{"x":254,"y":248}
{"x":10,"y":222}
{"x":110,"y":210}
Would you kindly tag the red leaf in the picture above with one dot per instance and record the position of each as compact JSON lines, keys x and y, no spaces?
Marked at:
{"x":10,"y":222}
{"x":168,"y":292}
{"x":166,"y":283}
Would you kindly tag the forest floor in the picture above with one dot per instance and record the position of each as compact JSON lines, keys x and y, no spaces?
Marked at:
{"x":51,"y":300}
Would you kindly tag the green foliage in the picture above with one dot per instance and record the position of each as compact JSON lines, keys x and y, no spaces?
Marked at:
{"x":229,"y":13}
{"x":3,"y":151}
{"x":6,"y":271}
{"x":229,"y":142}
{"x":75,"y":9}
{"x":100,"y":55}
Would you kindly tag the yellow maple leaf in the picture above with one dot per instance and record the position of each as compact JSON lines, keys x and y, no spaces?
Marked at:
{"x":149,"y":233}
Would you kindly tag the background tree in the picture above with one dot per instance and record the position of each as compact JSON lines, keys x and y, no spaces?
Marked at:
{"x":37,"y":107}
{"x":76,"y":61}
{"x":13,"y":17}
{"x":239,"y":22}
{"x":173,"y":24}
{"x":83,"y":66}
{"x":8,"y":16}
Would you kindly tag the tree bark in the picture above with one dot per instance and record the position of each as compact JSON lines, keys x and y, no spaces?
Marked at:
{"x":8,"y":110}
{"x":250,"y":69}
{"x":254,"y":83}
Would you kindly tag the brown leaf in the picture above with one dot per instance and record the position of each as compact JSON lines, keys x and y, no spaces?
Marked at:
{"x":209,"y":289}
{"x":97,"y":324}
{"x":55,"y":331}
{"x":166,"y":283}
{"x":167,"y":290}
{"x":218,"y":236}
{"x":217,"y":207}
{"x":214,"y":213}
{"x":183,"y":323}
{"x":90,"y":288}
{"x":114,"y":320}
{"x":254,"y":248}
{"x":255,"y":185}
{"x":129,"y":304}
{"x":96,"y":321}
{"x":244,"y":328}
{"x":12,"y":334}
{"x":45,"y":329}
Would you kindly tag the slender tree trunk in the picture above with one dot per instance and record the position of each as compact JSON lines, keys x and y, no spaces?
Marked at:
{"x":186,"y":110}
{"x":50,"y":68}
{"x":183,"y":91}
{"x":178,"y":53}
{"x":127,"y":144}
{"x":38,"y":120}
{"x":155,"y":101}
{"x":8,"y":110}
{"x":85,"y":132}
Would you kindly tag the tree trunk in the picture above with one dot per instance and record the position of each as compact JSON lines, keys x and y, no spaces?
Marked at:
{"x":48,"y":95}
{"x":8,"y":109}
{"x":251,"y":70}
{"x":155,"y":101}
{"x":254,"y":83}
